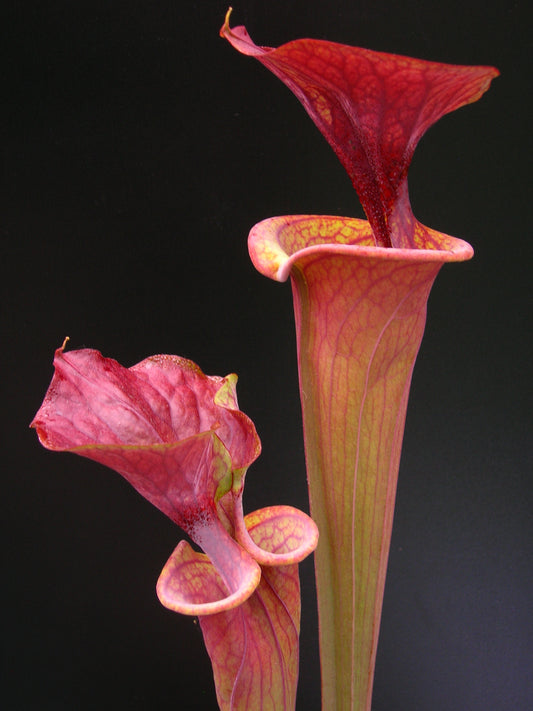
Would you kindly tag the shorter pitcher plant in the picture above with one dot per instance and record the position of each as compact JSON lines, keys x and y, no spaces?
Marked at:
{"x":360,"y":289}
{"x":178,"y":437}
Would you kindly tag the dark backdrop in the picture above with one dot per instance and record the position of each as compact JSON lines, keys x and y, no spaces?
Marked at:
{"x":140,"y":150}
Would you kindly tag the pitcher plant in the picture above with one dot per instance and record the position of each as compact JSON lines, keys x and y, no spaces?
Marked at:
{"x":360,"y":289}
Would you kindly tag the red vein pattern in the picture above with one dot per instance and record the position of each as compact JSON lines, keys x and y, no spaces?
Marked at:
{"x":372,"y":108}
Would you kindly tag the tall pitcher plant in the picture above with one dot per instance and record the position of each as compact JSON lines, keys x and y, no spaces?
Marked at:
{"x":360,"y":290}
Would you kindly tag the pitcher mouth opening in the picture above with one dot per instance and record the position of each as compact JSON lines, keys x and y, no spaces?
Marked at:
{"x":277,"y":243}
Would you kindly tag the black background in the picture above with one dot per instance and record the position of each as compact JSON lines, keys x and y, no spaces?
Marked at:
{"x":140,"y":150}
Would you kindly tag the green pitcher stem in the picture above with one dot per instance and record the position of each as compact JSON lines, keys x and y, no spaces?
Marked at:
{"x":355,"y":372}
